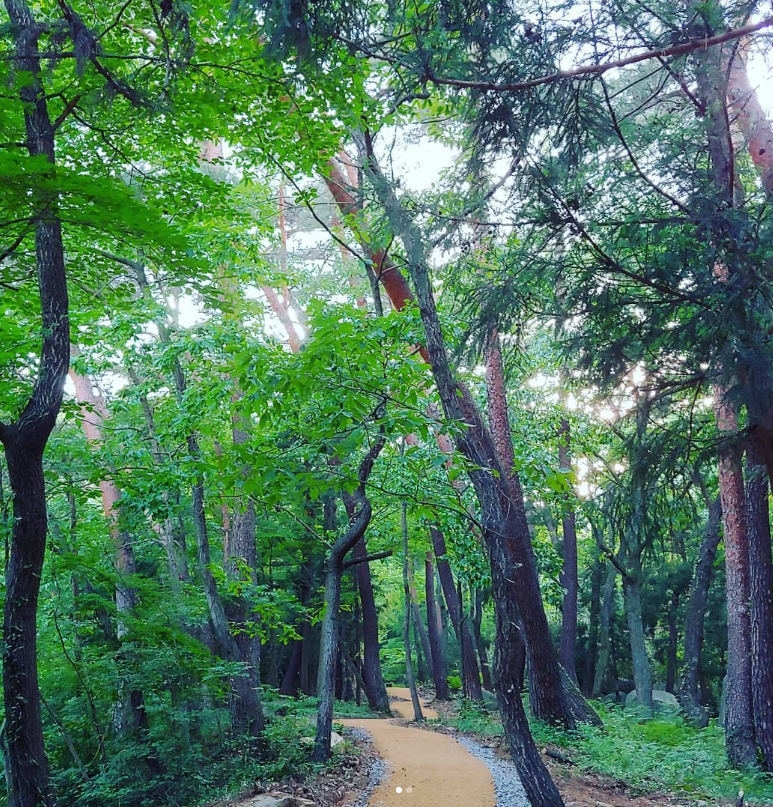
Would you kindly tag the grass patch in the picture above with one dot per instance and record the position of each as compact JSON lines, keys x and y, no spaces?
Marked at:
{"x":663,"y":753}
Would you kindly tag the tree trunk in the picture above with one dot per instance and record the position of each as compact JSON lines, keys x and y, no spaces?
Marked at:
{"x":642,"y":675}
{"x":761,"y":601}
{"x":495,"y":505}
{"x":26,"y":765}
{"x":468,"y":660}
{"x":418,"y":622}
{"x":242,"y":557}
{"x":605,"y":624}
{"x":409,"y":674}
{"x":246,"y":709}
{"x":435,"y":631}
{"x":569,"y":578}
{"x":372,"y":676}
{"x":476,"y":617}
{"x":689,"y":697}
{"x":290,"y":683}
{"x":360,"y":507}
{"x":130,"y":715}
{"x":551,"y":700}
{"x":673,"y":643}
{"x":739,"y":721}
{"x":591,"y":657}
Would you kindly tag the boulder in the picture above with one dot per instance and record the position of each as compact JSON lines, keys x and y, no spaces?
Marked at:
{"x":335,"y":739}
{"x":661,"y":698}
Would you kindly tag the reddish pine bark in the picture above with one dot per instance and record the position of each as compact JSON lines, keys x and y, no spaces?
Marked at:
{"x":739,"y":723}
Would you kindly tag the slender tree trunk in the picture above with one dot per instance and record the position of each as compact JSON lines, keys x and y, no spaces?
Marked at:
{"x":418,"y":622}
{"x":569,"y":578}
{"x":591,"y":657}
{"x":435,"y":631}
{"x":372,"y":676}
{"x":409,"y":674}
{"x":642,"y":675}
{"x":689,"y":697}
{"x":468,"y":660}
{"x":476,"y":617}
{"x":130,"y":715}
{"x":673,"y":643}
{"x":605,"y":624}
{"x":289,"y":685}
{"x":246,"y":709}
{"x":739,"y":721}
{"x":761,"y":601}
{"x":26,"y":765}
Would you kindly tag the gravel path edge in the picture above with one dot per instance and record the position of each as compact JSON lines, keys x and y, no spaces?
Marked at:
{"x":507,"y":784}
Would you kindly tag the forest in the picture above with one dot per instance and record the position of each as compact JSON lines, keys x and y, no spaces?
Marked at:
{"x":386,"y":403}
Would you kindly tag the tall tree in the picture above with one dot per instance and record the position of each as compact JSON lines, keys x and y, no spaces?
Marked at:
{"x":24,"y":440}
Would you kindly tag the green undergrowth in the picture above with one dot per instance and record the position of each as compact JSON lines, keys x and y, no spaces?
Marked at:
{"x":663,"y":753}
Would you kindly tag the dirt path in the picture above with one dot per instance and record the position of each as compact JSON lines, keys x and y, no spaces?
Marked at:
{"x":425,"y":769}
{"x":400,"y":698}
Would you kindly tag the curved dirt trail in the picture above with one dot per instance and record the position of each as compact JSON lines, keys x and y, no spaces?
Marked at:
{"x":431,"y":769}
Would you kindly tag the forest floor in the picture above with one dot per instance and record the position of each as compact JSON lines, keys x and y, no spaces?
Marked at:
{"x":433,"y":770}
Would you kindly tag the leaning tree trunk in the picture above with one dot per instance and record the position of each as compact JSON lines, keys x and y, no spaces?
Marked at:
{"x":435,"y":631}
{"x":689,"y":697}
{"x":552,"y":700}
{"x":495,"y":505}
{"x":26,"y":765}
{"x":761,"y":601}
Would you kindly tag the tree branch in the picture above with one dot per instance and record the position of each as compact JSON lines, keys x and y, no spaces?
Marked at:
{"x":598,"y":69}
{"x":387,"y":553}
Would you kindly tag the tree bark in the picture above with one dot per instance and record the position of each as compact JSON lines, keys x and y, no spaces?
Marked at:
{"x":591,"y":657}
{"x":407,"y":601}
{"x":689,"y":697}
{"x":435,"y":631}
{"x":761,"y":601}
{"x":495,"y":503}
{"x":476,"y":617}
{"x":569,"y":578}
{"x":130,"y":715}
{"x":26,"y":765}
{"x":372,"y":676}
{"x":605,"y":624}
{"x":468,"y":660}
{"x":739,"y":721}
{"x":418,"y":622}
{"x":551,"y":700}
{"x":642,"y":675}
{"x":360,"y":506}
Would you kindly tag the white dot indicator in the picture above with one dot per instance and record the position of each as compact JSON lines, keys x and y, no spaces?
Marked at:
{"x":398,"y":790}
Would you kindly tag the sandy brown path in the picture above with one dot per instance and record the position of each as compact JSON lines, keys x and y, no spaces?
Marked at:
{"x":430,"y":769}
{"x":404,"y":708}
